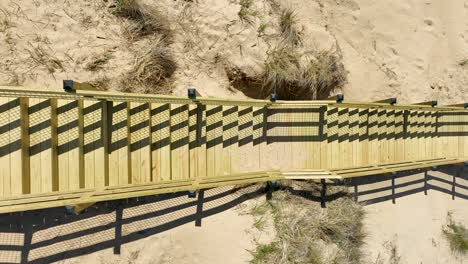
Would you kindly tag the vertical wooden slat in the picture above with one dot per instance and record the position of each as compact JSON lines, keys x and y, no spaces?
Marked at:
{"x":140,"y":148}
{"x":92,"y":116}
{"x":399,"y":143}
{"x":258,"y":135}
{"x":16,"y":155}
{"x":324,"y":163}
{"x":201,"y":149}
{"x":179,"y":141}
{"x":227,"y":119}
{"x":193,"y":141}
{"x":354,"y":136}
{"x":363,"y":145}
{"x":333,"y":136}
{"x":119,"y":145}
{"x":64,"y":125}
{"x":160,"y":136}
{"x":343,"y":137}
{"x":5,"y":147}
{"x":25,"y":172}
{"x":81,"y":153}
{"x":54,"y":144}
{"x":41,"y":154}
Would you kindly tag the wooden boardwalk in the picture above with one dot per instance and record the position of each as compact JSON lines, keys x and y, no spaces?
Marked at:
{"x":61,"y":148}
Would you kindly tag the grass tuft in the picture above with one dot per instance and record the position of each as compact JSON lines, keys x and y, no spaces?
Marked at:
{"x":263,"y":252}
{"x":463,"y":62}
{"x":5,"y":20}
{"x":146,"y":20}
{"x":288,"y":27}
{"x":98,"y":62}
{"x":297,"y":77}
{"x":246,"y":14}
{"x":456,"y":234}
{"x":152,"y":69}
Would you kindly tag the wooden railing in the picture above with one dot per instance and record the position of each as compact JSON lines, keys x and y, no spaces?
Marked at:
{"x":61,"y":148}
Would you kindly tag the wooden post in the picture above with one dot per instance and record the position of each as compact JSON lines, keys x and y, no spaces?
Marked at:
{"x":425,"y":182}
{"x":393,"y":188}
{"x":323,"y":193}
{"x":199,"y":213}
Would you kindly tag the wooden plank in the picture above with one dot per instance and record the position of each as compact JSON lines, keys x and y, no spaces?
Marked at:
{"x":64,"y":124}
{"x":391,"y":120}
{"x":382,"y":135}
{"x":354,"y":136}
{"x":324,"y":158}
{"x":333,"y":135}
{"x":193,"y":141}
{"x":119,"y":149}
{"x":5,"y":171}
{"x":41,"y":159}
{"x":17,"y":171}
{"x":363,"y":145}
{"x":373,"y":136}
{"x":201,"y":149}
{"x":140,"y":146}
{"x":229,"y":124}
{"x":399,"y":141}
{"x":260,"y":138}
{"x":94,"y":173}
{"x":315,"y":145}
{"x":161,"y":138}
{"x":343,"y":138}
{"x":179,"y":141}
{"x":246,"y":157}
{"x":258,"y":135}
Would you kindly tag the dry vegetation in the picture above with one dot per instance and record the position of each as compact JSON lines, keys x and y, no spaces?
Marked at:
{"x":307,"y":233}
{"x":144,"y":20}
{"x":288,"y":71}
{"x":456,"y":234}
{"x":150,"y":33}
{"x":246,"y":12}
{"x":153,"y":67}
{"x":295,"y":76}
{"x":288,"y":27}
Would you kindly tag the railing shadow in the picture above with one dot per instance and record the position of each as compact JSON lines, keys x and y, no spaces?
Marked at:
{"x":50,"y":235}
{"x":450,"y":180}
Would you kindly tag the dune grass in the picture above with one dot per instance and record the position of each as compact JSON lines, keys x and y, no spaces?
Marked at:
{"x":246,"y":12}
{"x":456,"y":234}
{"x":288,"y":27}
{"x":152,"y":69}
{"x":298,"y":77}
{"x":146,"y":20}
{"x":306,"y":232}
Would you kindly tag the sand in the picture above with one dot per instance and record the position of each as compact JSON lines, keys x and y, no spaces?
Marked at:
{"x":407,"y":49}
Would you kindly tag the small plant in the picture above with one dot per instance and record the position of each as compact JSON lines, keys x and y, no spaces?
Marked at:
{"x":463,"y":62}
{"x":5,"y":20}
{"x":263,"y":252}
{"x":287,"y":23}
{"x":260,"y":223}
{"x":261,"y":29}
{"x":98,"y":62}
{"x":246,"y":13}
{"x":456,"y":234}
{"x":394,"y":255}
{"x":43,"y":57}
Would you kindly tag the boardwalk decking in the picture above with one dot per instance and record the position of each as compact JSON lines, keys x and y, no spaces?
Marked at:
{"x":62,"y":148}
